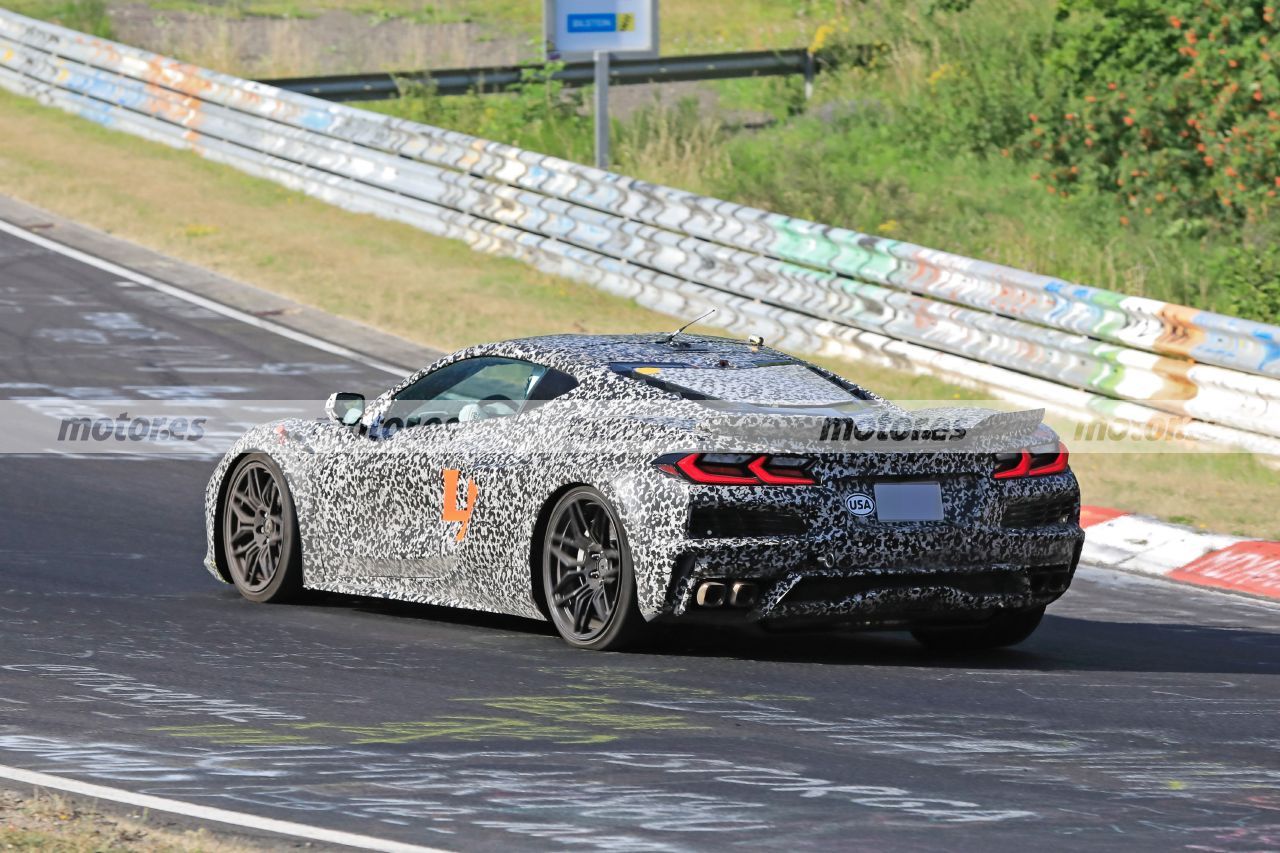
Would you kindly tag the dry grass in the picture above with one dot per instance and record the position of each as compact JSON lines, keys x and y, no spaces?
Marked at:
{"x":1220,"y":492}
{"x":206,"y":41}
{"x":334,"y":42}
{"x":440,"y":293}
{"x":50,"y":822}
{"x":676,"y":145}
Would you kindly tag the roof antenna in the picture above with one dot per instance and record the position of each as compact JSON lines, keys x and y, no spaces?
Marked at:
{"x":671,"y":337}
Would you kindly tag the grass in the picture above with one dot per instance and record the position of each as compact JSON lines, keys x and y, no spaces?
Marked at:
{"x":439,"y":293}
{"x":686,"y":27}
{"x":988,"y":209}
{"x":88,"y":16}
{"x":57,"y":824}
{"x":913,"y":146}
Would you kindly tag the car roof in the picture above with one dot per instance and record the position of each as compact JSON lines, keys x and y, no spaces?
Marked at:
{"x":584,"y":351}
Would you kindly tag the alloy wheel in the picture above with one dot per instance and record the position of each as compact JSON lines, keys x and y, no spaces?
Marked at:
{"x":583,"y":558}
{"x":253,"y":527}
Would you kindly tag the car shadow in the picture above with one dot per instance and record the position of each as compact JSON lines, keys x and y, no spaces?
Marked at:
{"x":1061,"y":644}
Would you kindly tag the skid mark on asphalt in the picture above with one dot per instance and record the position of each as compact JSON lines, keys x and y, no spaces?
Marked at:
{"x":651,"y":681}
{"x":1057,"y":772}
{"x":1153,"y":765}
{"x":521,"y":791}
{"x":580,"y":768}
{"x":555,"y":719}
{"x":230,"y":734}
{"x":119,"y":690}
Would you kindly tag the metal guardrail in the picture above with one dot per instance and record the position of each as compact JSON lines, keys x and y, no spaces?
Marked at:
{"x":460,"y":81}
{"x":1078,"y":350}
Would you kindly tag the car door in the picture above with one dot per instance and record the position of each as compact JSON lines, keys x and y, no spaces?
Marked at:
{"x":436,"y":446}
{"x":354,"y":526}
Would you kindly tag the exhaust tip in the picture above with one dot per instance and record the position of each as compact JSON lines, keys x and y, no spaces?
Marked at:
{"x":711,"y":594}
{"x":743,"y":594}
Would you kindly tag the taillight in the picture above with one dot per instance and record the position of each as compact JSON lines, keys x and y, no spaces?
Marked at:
{"x":1010,"y":465}
{"x":1045,"y":459}
{"x":1048,"y":459}
{"x":721,"y":469}
{"x":738,"y":469}
{"x":781,"y":470}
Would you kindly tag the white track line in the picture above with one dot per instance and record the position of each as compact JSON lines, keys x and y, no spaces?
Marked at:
{"x":179,"y":293}
{"x":246,"y":821}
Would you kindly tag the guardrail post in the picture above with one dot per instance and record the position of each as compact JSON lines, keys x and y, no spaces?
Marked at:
{"x":602,"y":109}
{"x":810,"y":69}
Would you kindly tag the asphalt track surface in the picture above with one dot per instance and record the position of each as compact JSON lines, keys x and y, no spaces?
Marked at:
{"x":1142,"y":715}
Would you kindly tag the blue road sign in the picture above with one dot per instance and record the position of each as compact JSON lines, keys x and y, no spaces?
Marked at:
{"x":599,"y":23}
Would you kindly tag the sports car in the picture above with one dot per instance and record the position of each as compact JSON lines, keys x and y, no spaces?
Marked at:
{"x":611,"y":484}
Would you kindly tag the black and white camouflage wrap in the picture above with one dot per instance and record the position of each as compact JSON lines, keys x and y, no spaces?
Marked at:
{"x":370,"y":504}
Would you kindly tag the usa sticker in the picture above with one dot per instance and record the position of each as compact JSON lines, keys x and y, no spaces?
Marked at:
{"x":860,"y":504}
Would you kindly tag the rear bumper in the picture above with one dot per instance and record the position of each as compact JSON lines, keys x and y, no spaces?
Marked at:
{"x":913,"y":577}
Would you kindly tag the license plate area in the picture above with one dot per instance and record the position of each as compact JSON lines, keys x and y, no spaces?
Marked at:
{"x":908,"y":501}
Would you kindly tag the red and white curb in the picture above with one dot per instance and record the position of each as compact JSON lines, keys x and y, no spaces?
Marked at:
{"x":1136,"y":543}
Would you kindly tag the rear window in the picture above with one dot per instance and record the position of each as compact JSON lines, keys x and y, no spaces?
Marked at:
{"x":790,"y":384}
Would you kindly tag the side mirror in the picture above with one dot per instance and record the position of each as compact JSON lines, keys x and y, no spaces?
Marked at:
{"x":344,"y":407}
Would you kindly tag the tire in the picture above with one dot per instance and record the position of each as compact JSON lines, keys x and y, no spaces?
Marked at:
{"x":587,"y":576}
{"x":259,"y":531}
{"x":1007,"y":629}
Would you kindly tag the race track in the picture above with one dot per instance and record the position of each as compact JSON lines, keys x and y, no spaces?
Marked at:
{"x":1143,"y":715}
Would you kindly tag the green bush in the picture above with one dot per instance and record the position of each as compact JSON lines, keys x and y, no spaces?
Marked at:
{"x":87,"y":16}
{"x":977,"y":101}
{"x":1172,"y":106}
{"x":1247,"y":281}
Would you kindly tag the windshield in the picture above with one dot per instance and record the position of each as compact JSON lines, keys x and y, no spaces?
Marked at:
{"x":792,"y":384}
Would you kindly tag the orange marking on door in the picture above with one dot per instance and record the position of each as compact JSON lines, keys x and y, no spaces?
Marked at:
{"x":450,"y":511}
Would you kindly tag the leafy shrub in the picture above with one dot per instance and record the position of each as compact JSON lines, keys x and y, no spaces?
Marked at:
{"x":1172,"y":105}
{"x":978,"y":106}
{"x":963,"y":74}
{"x":1247,"y":281}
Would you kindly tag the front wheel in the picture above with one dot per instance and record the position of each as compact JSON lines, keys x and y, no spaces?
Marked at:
{"x":587,"y":575}
{"x":1005,"y":629}
{"x":260,"y":531}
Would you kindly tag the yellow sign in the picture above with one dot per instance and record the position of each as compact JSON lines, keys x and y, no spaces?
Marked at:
{"x":626,"y":22}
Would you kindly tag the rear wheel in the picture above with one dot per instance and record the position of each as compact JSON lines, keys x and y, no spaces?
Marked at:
{"x":1006,"y":629}
{"x":586,"y":573}
{"x":260,"y":532}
